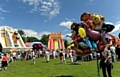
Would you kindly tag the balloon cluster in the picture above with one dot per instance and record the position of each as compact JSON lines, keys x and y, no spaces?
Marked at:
{"x":91,"y":34}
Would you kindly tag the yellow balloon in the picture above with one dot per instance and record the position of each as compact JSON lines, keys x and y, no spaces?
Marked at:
{"x":82,"y":32}
{"x":72,"y":45}
{"x":68,"y":47}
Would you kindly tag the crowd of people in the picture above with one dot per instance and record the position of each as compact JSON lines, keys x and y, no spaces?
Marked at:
{"x":108,"y":56}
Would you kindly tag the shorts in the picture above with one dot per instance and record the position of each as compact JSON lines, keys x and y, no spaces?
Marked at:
{"x":14,"y":58}
{"x":4,"y":63}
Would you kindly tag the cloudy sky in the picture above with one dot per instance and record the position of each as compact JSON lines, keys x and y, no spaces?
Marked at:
{"x":38,"y":17}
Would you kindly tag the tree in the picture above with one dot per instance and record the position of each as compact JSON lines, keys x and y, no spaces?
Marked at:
{"x":32,"y":39}
{"x":22,"y":34}
{"x":66,"y":43}
{"x":44,"y":39}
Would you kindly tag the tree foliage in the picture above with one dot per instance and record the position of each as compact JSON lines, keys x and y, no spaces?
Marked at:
{"x":21,"y":32}
{"x":66,"y":43}
{"x":44,"y":39}
{"x":32,"y":39}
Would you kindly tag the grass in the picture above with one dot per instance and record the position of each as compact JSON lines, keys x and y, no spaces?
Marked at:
{"x":55,"y":69}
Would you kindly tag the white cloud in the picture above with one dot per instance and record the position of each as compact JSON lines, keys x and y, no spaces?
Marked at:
{"x":2,"y":18}
{"x":66,"y":24}
{"x":67,"y":38}
{"x":49,"y":8}
{"x":32,"y":33}
{"x":2,"y":10}
{"x":117,"y":27}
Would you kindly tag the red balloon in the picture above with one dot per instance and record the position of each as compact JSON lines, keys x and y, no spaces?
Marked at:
{"x":86,"y":51}
{"x":101,"y":48}
{"x":100,"y":43}
{"x":78,"y":38}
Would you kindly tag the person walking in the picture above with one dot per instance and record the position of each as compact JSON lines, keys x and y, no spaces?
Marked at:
{"x":34,"y":56}
{"x":61,"y":56}
{"x":47,"y":55}
{"x":106,"y":62}
{"x":71,"y":56}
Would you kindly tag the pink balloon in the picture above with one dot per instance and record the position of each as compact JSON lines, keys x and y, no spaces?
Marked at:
{"x":95,"y":35}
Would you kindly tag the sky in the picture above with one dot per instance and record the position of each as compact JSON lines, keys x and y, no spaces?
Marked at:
{"x":38,"y":17}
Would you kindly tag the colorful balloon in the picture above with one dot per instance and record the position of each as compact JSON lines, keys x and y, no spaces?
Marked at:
{"x":86,"y":51}
{"x":83,"y":45}
{"x":94,"y":35}
{"x":82,"y":32}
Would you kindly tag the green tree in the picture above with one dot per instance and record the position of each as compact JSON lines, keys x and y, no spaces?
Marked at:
{"x":66,"y":43}
{"x":22,"y":34}
{"x":44,"y":39}
{"x":32,"y":39}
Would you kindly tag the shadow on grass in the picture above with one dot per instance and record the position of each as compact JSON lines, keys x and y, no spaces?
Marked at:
{"x":75,"y":64}
{"x":59,"y":63}
{"x":63,"y":76}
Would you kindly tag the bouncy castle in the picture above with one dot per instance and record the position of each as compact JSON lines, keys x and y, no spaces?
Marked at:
{"x":10,"y":40}
{"x":35,"y":45}
{"x":55,"y":41}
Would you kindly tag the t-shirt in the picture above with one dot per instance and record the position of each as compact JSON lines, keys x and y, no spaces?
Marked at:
{"x":112,"y":48}
{"x":5,"y":58}
{"x":105,"y":54}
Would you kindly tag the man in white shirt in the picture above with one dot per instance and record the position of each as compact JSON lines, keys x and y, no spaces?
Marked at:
{"x":34,"y":56}
{"x":47,"y":55}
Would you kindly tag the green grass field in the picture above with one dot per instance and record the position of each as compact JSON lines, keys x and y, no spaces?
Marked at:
{"x":55,"y":69}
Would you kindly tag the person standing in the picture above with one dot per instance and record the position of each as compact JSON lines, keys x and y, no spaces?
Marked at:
{"x":113,"y":53}
{"x":106,"y":62}
{"x":54,"y":53}
{"x":64,"y":60}
{"x":61,"y":55}
{"x":4,"y":61}
{"x":0,"y":62}
{"x":71,"y":56}
{"x":47,"y":55}
{"x":118,"y":52}
{"x":14,"y":56}
{"x":34,"y":56}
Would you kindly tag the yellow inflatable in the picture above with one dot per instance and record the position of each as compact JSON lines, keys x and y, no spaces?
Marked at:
{"x":82,"y":32}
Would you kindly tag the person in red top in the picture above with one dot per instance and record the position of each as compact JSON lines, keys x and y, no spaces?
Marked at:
{"x":4,"y":61}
